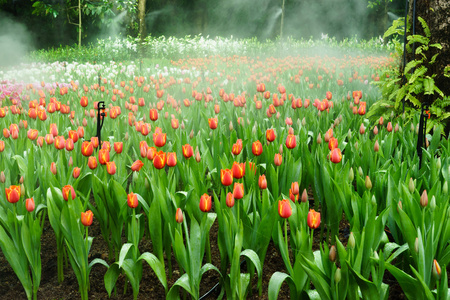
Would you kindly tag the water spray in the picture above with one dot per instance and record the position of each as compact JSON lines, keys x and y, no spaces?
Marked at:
{"x":100,"y":119}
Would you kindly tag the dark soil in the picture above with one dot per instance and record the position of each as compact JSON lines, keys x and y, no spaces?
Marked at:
{"x":150,"y":288}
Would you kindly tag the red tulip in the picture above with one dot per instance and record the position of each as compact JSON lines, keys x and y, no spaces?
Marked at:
{"x":13,"y":193}
{"x":295,"y":188}
{"x":132,"y":200}
{"x":53,"y":129}
{"x":32,"y":134}
{"x":294,"y":198}
{"x":87,"y":218}
{"x":290,"y":141}
{"x":205,"y":203}
{"x":29,"y":204}
{"x":389,"y":127}
{"x":171,"y":159}
{"x":238,"y":190}
{"x":175,"y":123}
{"x":69,"y":144}
{"x":313,"y":219}
{"x":84,"y":101}
{"x":153,"y":114}
{"x":226,"y":177}
{"x":257,"y":148}
{"x":237,"y":148}
{"x":137,"y":166}
{"x":332,"y":143}
{"x":60,"y":142}
{"x":230,"y":200}
{"x":159,"y":139}
{"x":160,"y":159}
{"x":53,"y":168}
{"x":238,"y":170}
{"x":2,"y":146}
{"x":187,"y":150}
{"x":68,"y":191}
{"x":73,"y":134}
{"x":94,"y":141}
{"x":151,"y":152}
{"x":284,"y":208}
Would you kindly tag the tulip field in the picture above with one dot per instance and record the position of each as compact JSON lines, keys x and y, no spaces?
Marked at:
{"x":273,"y":151}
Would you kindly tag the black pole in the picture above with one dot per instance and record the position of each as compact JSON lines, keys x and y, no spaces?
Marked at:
{"x":414,"y":29}
{"x":100,"y":119}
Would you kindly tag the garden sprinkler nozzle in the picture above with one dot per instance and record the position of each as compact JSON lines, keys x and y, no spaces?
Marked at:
{"x":100,"y":119}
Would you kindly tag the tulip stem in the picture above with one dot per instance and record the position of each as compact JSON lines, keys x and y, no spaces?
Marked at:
{"x":312,"y":237}
{"x":285,"y":236}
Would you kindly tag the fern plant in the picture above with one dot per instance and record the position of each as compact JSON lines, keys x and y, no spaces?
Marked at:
{"x":418,"y":86}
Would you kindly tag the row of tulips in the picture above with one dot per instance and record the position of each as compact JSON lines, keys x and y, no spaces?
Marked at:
{"x":220,"y":157}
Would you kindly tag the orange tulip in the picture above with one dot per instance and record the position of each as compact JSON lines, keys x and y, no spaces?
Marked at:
{"x":2,"y":146}
{"x":270,"y":135}
{"x":284,"y":208}
{"x":179,"y":215}
{"x":118,"y":147}
{"x":238,"y":190}
{"x":87,"y":218}
{"x":92,"y":162}
{"x":86,"y":148}
{"x":29,"y":204}
{"x":73,"y":134}
{"x":262,"y":182}
{"x":175,"y":123}
{"x":60,"y":142}
{"x":294,"y":198}
{"x":68,"y":191}
{"x":111,"y":167}
{"x":53,"y":129}
{"x":13,"y":193}
{"x":257,"y":148}
{"x":205,"y":203}
{"x":53,"y":168}
{"x":237,"y":148}
{"x":295,"y":188}
{"x":103,"y":156}
{"x":389,"y":127}
{"x":226,"y":177}
{"x":76,"y":172}
{"x":212,"y":123}
{"x":132,"y":200}
{"x":188,"y":151}
{"x":336,"y":155}
{"x":32,"y":134}
{"x":332,"y":143}
{"x":151,"y":152}
{"x":69,"y":144}
{"x":278,"y":159}
{"x":313,"y":219}
{"x":84,"y":101}
{"x":137,"y":166}
{"x":94,"y":141}
{"x":160,"y":159}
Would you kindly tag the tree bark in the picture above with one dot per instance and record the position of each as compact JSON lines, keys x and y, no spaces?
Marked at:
{"x":436,"y":14}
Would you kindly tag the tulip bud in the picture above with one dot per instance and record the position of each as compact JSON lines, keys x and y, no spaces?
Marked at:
{"x":304,"y":196}
{"x":375,"y":255}
{"x":417,"y":129}
{"x":416,"y":245}
{"x":182,"y":125}
{"x":412,"y":127}
{"x":319,"y":139}
{"x":445,"y":188}
{"x":179,"y":216}
{"x":303,"y":121}
{"x":356,"y":145}
{"x":399,"y":206}
{"x":396,"y":128}
{"x":21,"y":180}
{"x":362,"y":129}
{"x":2,"y":177}
{"x":332,"y":254}
{"x":375,"y":130}
{"x":231,"y":126}
{"x":146,"y":183}
{"x":126,"y":136}
{"x":197,"y":155}
{"x":22,"y":190}
{"x":360,"y":171}
{"x":411,"y":186}
{"x":368,"y":183}
{"x":376,"y":147}
{"x":374,"y":200}
{"x":436,"y":270}
{"x":29,"y":204}
{"x":351,"y":176}
{"x":424,"y":199}
{"x":191,"y":135}
{"x":280,"y":149}
{"x":438,"y":163}
{"x":337,"y":275}
{"x":433,"y":203}
{"x":70,"y":161}
{"x":351,"y":241}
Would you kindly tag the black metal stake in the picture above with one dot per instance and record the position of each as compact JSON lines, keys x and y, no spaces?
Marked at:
{"x":422,"y":131}
{"x":100,"y":119}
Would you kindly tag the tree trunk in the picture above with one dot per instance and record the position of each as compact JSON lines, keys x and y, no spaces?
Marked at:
{"x":436,"y":14}
{"x":142,"y":27}
{"x":282,"y":21}
{"x":79,"y":24}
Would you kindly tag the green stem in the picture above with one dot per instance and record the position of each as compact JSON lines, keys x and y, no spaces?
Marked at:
{"x":208,"y":249}
{"x":285,"y":236}
{"x":312,"y":237}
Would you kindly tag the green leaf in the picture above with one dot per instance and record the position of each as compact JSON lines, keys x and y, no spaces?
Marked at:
{"x":183,"y":282}
{"x":275,"y":283}
{"x":156,"y":266}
